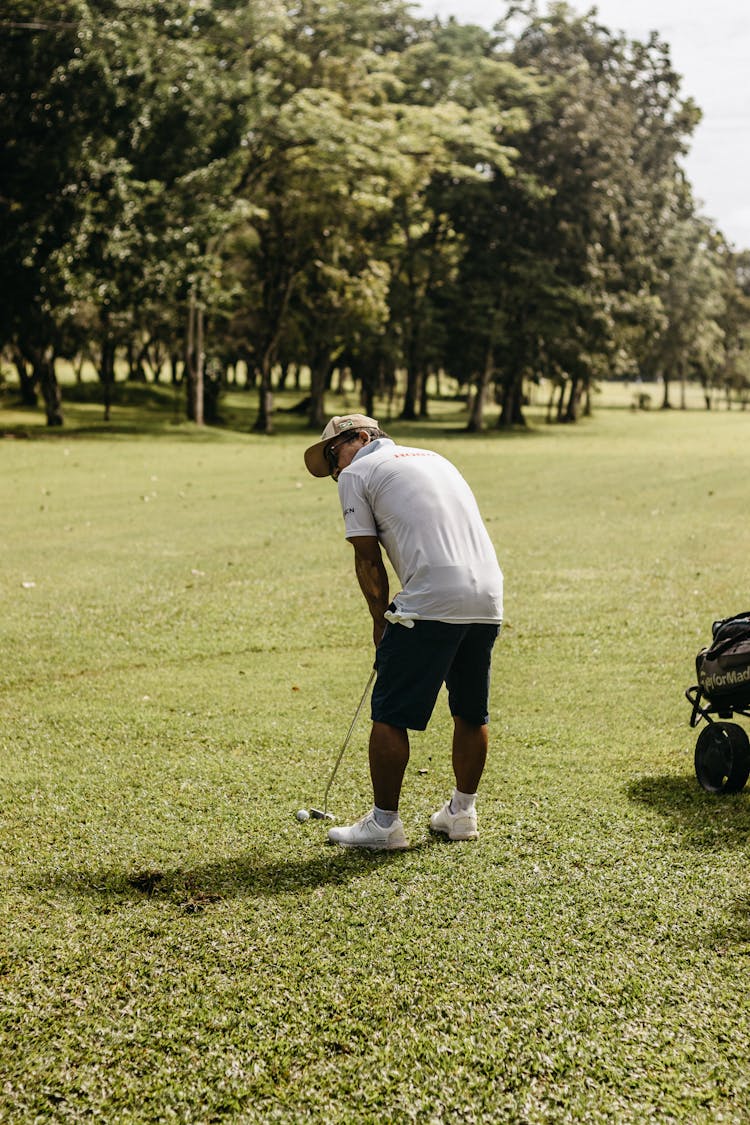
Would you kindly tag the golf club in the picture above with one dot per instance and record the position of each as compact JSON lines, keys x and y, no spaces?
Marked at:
{"x":323,"y":814}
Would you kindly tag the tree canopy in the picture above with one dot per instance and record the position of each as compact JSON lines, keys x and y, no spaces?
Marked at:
{"x":341,"y":184}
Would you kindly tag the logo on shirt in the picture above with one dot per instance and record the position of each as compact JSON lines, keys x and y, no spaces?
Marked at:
{"x":348,"y":512}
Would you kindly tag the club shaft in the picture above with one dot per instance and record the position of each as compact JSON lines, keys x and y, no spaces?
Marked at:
{"x":346,"y":741}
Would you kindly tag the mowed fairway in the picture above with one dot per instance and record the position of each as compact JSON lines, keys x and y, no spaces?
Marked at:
{"x":183,"y":647}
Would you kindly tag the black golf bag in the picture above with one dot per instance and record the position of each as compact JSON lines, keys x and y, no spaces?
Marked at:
{"x":722,"y":752}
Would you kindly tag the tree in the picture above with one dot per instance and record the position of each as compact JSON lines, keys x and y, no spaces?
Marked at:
{"x":45,"y":126}
{"x":692,"y":340}
{"x":575,"y":232}
{"x":459,"y":104}
{"x":125,"y":127}
{"x":320,"y":159}
{"x":341,"y":184}
{"x":734,"y":322}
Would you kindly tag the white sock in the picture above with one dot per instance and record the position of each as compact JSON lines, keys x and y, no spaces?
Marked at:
{"x":462,"y":802}
{"x":385,"y":817}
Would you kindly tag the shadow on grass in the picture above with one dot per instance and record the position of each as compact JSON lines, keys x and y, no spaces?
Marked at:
{"x":703,"y":820}
{"x":158,"y":411}
{"x":195,"y":888}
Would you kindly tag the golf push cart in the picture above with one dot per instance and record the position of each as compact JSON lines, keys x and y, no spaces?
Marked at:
{"x":722,"y":751}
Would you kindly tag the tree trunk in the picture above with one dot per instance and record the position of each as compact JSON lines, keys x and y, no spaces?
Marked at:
{"x":44,"y":373}
{"x":320,"y":369}
{"x":283,"y":377}
{"x":572,"y":410}
{"x":264,"y":422}
{"x":588,"y":409}
{"x":683,"y":387}
{"x":136,"y":363}
{"x":424,"y":397}
{"x":705,"y":381}
{"x":277,"y":293}
{"x":368,"y":398}
{"x":154,"y":357}
{"x":175,"y":375}
{"x":511,"y":413}
{"x":27,"y":379}
{"x":194,"y":361}
{"x":475,"y":425}
{"x":553,"y":389}
{"x":107,"y":373}
{"x":665,"y":403}
{"x":213,"y":383}
{"x":409,"y":412}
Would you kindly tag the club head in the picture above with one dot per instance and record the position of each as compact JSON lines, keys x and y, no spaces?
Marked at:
{"x":319,"y":814}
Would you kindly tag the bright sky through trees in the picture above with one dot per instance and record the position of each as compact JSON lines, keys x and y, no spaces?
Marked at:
{"x":710,"y":46}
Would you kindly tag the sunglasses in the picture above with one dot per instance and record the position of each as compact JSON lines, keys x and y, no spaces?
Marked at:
{"x":332,"y":455}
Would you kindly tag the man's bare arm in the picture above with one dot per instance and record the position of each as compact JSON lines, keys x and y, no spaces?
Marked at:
{"x":373,"y":580}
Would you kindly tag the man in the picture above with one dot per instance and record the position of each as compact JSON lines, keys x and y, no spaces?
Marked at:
{"x":441,"y":626}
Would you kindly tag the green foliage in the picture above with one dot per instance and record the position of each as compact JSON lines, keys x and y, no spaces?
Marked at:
{"x":565,"y":256}
{"x":184,"y":647}
{"x":321,"y":183}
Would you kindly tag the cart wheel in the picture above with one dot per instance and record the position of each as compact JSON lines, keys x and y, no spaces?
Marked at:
{"x":722,"y":758}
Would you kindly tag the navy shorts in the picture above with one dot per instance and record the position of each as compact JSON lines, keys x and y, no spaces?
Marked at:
{"x":413,"y":664}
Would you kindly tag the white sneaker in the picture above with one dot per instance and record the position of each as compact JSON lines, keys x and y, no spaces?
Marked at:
{"x":367,"y":833}
{"x":456,"y":826}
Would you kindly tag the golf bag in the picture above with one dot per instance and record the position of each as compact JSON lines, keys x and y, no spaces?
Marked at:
{"x":723,"y":667}
{"x":722,"y":752}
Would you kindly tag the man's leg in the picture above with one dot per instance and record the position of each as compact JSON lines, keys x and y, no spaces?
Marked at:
{"x":411,"y":665}
{"x":389,"y":756}
{"x":458,"y":817}
{"x":381,"y":827}
{"x":469,"y":754}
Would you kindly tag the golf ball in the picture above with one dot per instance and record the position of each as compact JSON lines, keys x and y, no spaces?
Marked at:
{"x":303,"y":815}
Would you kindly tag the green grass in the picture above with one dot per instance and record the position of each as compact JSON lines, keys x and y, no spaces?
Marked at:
{"x":184,"y":645}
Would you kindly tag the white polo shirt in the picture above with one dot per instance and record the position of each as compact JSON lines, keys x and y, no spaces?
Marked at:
{"x":426,"y":518}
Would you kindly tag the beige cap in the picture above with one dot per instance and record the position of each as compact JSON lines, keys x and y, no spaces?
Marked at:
{"x":315,"y":456}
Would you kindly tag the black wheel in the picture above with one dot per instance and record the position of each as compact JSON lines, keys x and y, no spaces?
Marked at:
{"x":722,"y":758}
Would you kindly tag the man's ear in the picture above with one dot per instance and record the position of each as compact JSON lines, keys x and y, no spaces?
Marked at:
{"x":365,"y":437}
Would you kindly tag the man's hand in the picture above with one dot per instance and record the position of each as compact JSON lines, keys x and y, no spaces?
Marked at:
{"x":373,"y":580}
